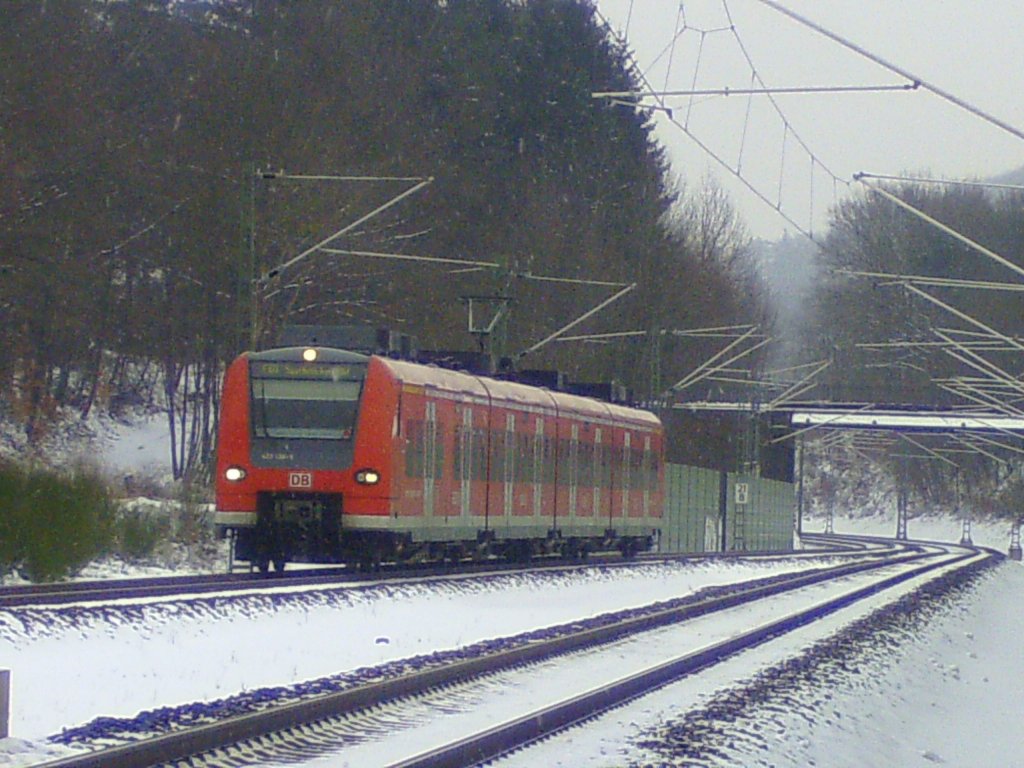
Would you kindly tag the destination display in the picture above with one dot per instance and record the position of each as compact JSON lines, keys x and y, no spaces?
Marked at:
{"x":318,"y":371}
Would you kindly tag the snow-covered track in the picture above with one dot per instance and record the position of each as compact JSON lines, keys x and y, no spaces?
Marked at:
{"x":163,"y":586}
{"x":517,"y":734}
{"x":110,"y":590}
{"x":244,"y":739}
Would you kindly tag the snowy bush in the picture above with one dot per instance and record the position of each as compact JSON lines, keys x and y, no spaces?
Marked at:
{"x":166,"y":531}
{"x":52,"y":523}
{"x":140,"y":532}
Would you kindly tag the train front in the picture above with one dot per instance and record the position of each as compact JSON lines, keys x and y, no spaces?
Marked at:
{"x":285,"y":453}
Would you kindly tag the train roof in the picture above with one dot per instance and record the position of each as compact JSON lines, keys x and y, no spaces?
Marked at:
{"x":486,"y":387}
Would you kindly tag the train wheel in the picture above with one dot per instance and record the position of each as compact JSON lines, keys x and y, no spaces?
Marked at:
{"x":519,"y":552}
{"x":574,"y":550}
{"x":369,"y":563}
{"x":279,"y":564}
{"x":263,"y":564}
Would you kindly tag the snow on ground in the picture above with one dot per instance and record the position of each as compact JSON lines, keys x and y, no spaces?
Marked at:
{"x":533,"y":690}
{"x":138,"y":445}
{"x":141,"y":447}
{"x":939,"y":686}
{"x":162,"y":653}
{"x":984,"y":533}
{"x":165,"y":653}
{"x":953,"y":697}
{"x":945,"y":693}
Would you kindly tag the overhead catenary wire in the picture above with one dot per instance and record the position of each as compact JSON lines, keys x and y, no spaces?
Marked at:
{"x":276,"y":271}
{"x":757,"y":82}
{"x":411,"y":257}
{"x":895,"y":199}
{"x":934,"y":454}
{"x":964,"y":316}
{"x":973,"y":360}
{"x":569,"y":326}
{"x":944,"y":94}
{"x":736,"y":172}
{"x":638,"y":96}
{"x":947,"y":182}
{"x":945,"y":282}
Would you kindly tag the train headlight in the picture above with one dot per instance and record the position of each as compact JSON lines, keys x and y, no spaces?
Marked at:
{"x":309,"y":355}
{"x":367,"y":477}
{"x":234,"y":474}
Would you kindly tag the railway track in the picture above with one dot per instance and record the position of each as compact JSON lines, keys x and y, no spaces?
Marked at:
{"x":356,"y":717}
{"x":110,"y":590}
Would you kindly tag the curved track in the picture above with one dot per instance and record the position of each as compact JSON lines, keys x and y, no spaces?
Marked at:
{"x":102,"y":591}
{"x":284,"y":732}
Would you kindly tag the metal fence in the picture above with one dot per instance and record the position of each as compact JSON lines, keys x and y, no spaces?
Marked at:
{"x":711,"y":511}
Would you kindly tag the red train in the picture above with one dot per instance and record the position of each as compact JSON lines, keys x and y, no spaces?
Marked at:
{"x":332,"y":456}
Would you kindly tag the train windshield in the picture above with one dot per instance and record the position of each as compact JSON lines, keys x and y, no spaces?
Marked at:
{"x":306,"y":401}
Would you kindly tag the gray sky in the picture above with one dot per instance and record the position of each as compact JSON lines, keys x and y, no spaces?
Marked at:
{"x":973,"y":49}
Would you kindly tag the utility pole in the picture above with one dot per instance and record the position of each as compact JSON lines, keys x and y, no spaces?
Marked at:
{"x":800,"y":487}
{"x":965,"y":536}
{"x":253,"y":274}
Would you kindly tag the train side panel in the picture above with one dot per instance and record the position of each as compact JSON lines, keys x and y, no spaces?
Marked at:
{"x":375,"y":445}
{"x":235,"y":502}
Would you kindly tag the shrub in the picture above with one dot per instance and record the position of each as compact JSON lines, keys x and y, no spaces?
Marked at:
{"x":194,"y":526}
{"x":11,"y":487}
{"x":139,"y":532}
{"x":52,"y":523}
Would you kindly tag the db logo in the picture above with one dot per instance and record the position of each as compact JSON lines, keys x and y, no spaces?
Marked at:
{"x":300,"y":479}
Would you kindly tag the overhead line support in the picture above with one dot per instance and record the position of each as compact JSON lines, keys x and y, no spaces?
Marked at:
{"x":893,"y":68}
{"x":939,"y":225}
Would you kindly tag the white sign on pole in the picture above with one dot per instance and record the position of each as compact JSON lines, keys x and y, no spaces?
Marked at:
{"x":742,"y":493}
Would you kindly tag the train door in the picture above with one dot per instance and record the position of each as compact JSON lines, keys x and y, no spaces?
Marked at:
{"x":625,"y":476}
{"x":412,"y":428}
{"x":573,"y":474}
{"x":465,"y":462}
{"x":509,"y":467}
{"x":522,"y":490}
{"x":602,"y":477}
{"x":537,"y":469}
{"x":431,"y":462}
{"x":645,"y":478}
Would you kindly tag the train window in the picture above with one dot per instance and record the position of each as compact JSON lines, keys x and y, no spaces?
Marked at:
{"x":424,"y":452}
{"x":586,"y":465}
{"x":468,"y":457}
{"x":479,"y":455}
{"x":638,"y":469}
{"x":538,"y":455}
{"x":511,"y":447}
{"x":524,"y":461}
{"x":497,"y":455}
{"x":435,"y":449}
{"x":650,"y":467}
{"x":461,"y":452}
{"x":617,"y":466}
{"x":573,"y":465}
{"x":549,"y":460}
{"x":414,"y":451}
{"x":305,"y":408}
